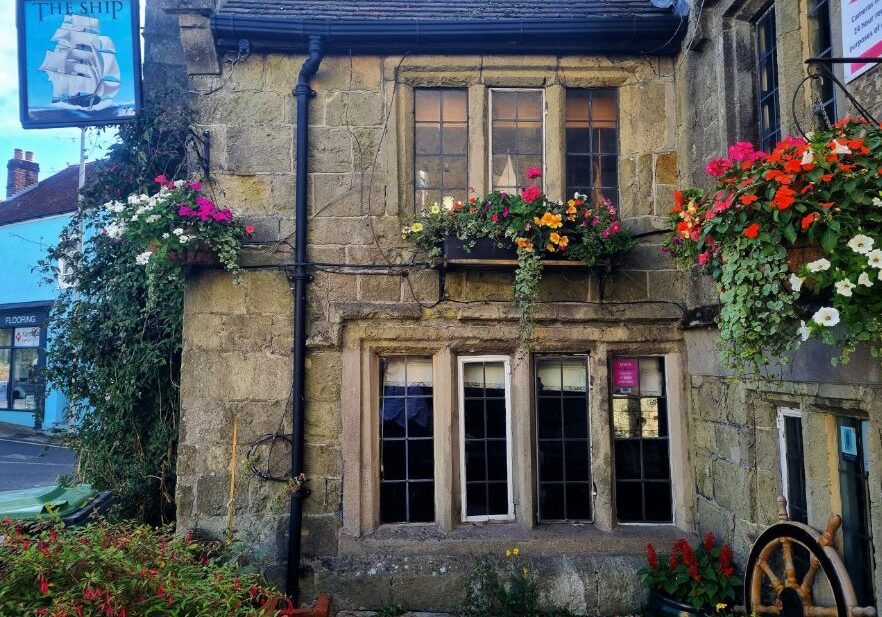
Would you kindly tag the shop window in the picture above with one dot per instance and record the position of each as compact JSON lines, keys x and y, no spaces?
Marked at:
{"x":640,"y":441}
{"x":441,"y":145}
{"x":593,"y":143}
{"x":517,"y":136}
{"x":820,"y":12}
{"x":562,"y":439}
{"x":485,"y":425}
{"x":407,"y":469}
{"x":20,"y":382}
{"x":857,"y":539}
{"x":793,"y":463}
{"x":767,"y":81}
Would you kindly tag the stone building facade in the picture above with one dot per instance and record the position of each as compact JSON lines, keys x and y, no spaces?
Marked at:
{"x":374,"y":310}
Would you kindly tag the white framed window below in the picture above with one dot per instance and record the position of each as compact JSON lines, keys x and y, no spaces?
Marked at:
{"x":484,"y":385}
{"x":792,"y":462}
{"x":516,"y":136}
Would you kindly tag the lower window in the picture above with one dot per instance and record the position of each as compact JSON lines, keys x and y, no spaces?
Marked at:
{"x":562,"y":440}
{"x":407,"y":468}
{"x":793,"y":463}
{"x":640,"y":438}
{"x":485,"y":425}
{"x":20,"y":380}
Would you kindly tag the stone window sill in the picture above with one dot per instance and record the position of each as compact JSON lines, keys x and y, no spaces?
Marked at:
{"x":477,"y":539}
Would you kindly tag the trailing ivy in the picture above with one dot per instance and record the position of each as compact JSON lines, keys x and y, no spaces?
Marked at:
{"x":114,"y":354}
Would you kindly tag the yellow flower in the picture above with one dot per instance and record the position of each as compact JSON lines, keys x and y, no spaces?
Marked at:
{"x":516,"y":551}
{"x":572,"y":203}
{"x":549,"y":220}
{"x":526,"y":571}
{"x":416,"y":227}
{"x":555,"y":237}
{"x":435,"y":209}
{"x":524,"y":244}
{"x":549,"y":247}
{"x":564,"y":241}
{"x":508,"y":552}
{"x":721,"y":606}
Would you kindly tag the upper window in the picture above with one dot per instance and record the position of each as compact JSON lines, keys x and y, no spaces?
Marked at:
{"x":485,"y":425}
{"x":441,"y":128}
{"x":593,"y":144}
{"x":562,"y":440}
{"x":407,"y":471}
{"x":517,"y":136}
{"x":20,"y":381}
{"x":767,"y":81}
{"x":640,"y":441}
{"x":820,"y":11}
{"x":792,"y":463}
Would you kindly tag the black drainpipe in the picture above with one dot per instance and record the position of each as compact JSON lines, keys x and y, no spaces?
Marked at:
{"x":302,"y":92}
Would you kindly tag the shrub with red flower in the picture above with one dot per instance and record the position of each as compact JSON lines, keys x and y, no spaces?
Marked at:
{"x":120,"y":570}
{"x":178,"y":218}
{"x":703,"y":578}
{"x":793,"y":239}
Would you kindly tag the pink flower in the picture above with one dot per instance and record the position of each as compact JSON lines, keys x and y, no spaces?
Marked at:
{"x":533,"y":173}
{"x":595,"y":220}
{"x":703,"y":258}
{"x":743,"y":151}
{"x":717,"y":167}
{"x":505,"y":212}
{"x":616,"y":228}
{"x":531,"y":193}
{"x":494,"y":218}
{"x":161,"y":179}
{"x":186,"y":210}
{"x":196,"y":186}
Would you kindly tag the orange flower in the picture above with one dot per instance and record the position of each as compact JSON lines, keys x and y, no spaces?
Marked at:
{"x":683,"y":229}
{"x":828,"y":177}
{"x":549,"y":247}
{"x":808,"y":220}
{"x":554,"y":237}
{"x":552,"y":221}
{"x":827,"y":205}
{"x":747,"y":199}
{"x":678,"y":198}
{"x":564,"y":241}
{"x":793,"y":166}
{"x":523,"y":243}
{"x":677,"y":208}
{"x":783,"y":198}
{"x":846,"y":166}
{"x":752,"y":231}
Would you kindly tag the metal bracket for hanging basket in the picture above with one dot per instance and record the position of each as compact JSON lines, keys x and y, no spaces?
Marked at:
{"x":824,"y":65}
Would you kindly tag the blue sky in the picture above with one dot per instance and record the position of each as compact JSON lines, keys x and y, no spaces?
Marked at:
{"x":53,"y":149}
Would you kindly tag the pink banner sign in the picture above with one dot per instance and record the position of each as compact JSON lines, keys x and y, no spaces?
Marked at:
{"x":624,"y":373}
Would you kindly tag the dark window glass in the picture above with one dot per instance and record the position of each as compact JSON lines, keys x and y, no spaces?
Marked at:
{"x":640,"y":440}
{"x":563,"y":447}
{"x":21,"y":382}
{"x":592,"y":123}
{"x":407,"y":463}
{"x":486,"y":438}
{"x":767,"y":81}
{"x":441,"y":129}
{"x":516,"y":136}
{"x":857,"y":539}
{"x":795,"y":462}
{"x":820,"y":12}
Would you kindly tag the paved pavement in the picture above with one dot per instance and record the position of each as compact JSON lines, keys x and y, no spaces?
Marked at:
{"x":28,"y":458}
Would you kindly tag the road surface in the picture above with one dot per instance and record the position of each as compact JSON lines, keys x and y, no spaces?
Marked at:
{"x":26,"y":462}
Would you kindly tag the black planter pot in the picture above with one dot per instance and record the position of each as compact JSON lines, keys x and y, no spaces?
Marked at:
{"x":484,"y":249}
{"x":661,"y":605}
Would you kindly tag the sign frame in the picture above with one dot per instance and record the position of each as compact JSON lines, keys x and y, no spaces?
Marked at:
{"x":866,"y":51}
{"x":23,"y":105}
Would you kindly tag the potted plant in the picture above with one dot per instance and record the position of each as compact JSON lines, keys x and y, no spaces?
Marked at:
{"x":179,"y":224}
{"x":688,"y":581}
{"x":527,"y":230}
{"x":792,"y":239}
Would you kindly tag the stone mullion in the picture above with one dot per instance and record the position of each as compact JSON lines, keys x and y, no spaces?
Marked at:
{"x":522,"y":440}
{"x":555,"y":141}
{"x":351,"y":411}
{"x":446,"y":439}
{"x":601,"y":441}
{"x":479,"y":156}
{"x":682,"y":482}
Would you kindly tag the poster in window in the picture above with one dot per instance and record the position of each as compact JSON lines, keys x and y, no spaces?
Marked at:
{"x":861,"y":35}
{"x":4,"y":393}
{"x":27,"y":337}
{"x":848,"y":441}
{"x":624,"y":375}
{"x":79,"y":62}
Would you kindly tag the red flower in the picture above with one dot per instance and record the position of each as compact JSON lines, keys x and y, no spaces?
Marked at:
{"x":43,"y":583}
{"x":783,"y":198}
{"x":703,"y":258}
{"x":693,"y":572}
{"x":678,"y":198}
{"x":249,"y":229}
{"x":651,"y":557}
{"x":709,"y":541}
{"x":828,"y":177}
{"x":752,"y":231}
{"x":808,"y":220}
{"x":793,"y":166}
{"x":533,"y":173}
{"x":748,"y":199}
{"x":531,"y":193}
{"x":718,"y":167}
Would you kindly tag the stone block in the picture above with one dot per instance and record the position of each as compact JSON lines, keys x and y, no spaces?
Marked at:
{"x":366,"y":156}
{"x":323,"y":460}
{"x":358,"y":108}
{"x":324,"y":372}
{"x":212,"y":494}
{"x":337,"y":195}
{"x":246,"y":108}
{"x":268,"y":293}
{"x":713,"y":518}
{"x":323,"y":422}
{"x":666,"y":168}
{"x":341,"y":230}
{"x":385,"y":288}
{"x":626,"y":286}
{"x":325,"y":497}
{"x":246,"y":195}
{"x":667,"y":285}
{"x":260,"y":149}
{"x":330,"y":149}
{"x":489,"y":286}
{"x":213,"y":292}
{"x":319,"y":535}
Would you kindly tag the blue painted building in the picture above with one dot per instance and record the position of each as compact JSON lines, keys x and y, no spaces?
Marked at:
{"x":31,"y":220}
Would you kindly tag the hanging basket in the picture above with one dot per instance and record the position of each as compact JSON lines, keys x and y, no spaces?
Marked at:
{"x":197,"y":255}
{"x":802,"y":253}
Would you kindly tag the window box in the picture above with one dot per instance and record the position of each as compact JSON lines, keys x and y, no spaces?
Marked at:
{"x":487,"y":252}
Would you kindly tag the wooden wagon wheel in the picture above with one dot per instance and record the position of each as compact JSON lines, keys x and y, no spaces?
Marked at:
{"x":793,"y":595}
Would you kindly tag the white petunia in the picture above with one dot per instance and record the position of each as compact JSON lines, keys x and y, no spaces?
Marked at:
{"x":874,"y":258}
{"x":808,"y":157}
{"x":864,"y":279}
{"x":803,"y":331}
{"x":179,"y":183}
{"x":796,"y":282}
{"x":152,"y":218}
{"x":861,"y":244}
{"x":826,"y":316}
{"x":143,"y":258}
{"x":114,"y":230}
{"x":879,"y":276}
{"x":184,"y":239}
{"x":844,"y":287}
{"x":877,"y":202}
{"x":447,"y":202}
{"x":165,"y":236}
{"x":435,"y":209}
{"x":841,"y":148}
{"x":178,"y":231}
{"x":818,"y":266}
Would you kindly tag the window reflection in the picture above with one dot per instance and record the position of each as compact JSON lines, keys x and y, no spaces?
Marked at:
{"x":440,"y":145}
{"x":517,"y":137}
{"x":592,"y":143}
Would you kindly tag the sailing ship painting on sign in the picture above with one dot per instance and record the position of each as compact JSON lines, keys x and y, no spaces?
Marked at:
{"x":79,"y":62}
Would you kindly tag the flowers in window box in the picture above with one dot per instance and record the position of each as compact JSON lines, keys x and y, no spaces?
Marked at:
{"x":178,"y":223}
{"x":791,"y":238}
{"x":536,"y":226}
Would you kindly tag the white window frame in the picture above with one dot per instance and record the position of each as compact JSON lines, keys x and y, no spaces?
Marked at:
{"x":490,"y":131}
{"x":674,"y":476}
{"x":64,"y":274}
{"x":785,"y":412}
{"x":460,"y":384}
{"x":535,"y":409}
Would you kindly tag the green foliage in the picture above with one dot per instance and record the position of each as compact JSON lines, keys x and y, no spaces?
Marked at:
{"x":105,"y":570}
{"x":391,"y":610}
{"x":824,"y":194}
{"x":704,"y":578}
{"x":115,"y":349}
{"x":505,"y":590}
